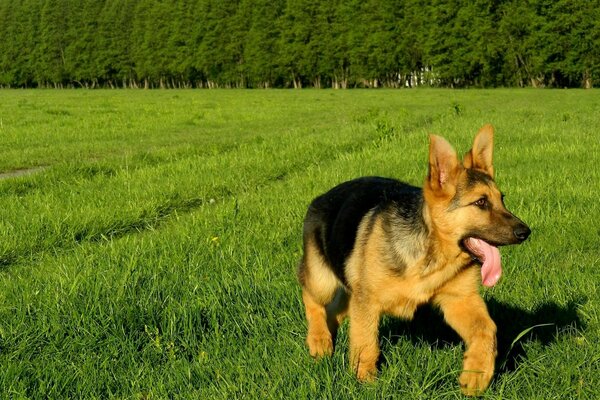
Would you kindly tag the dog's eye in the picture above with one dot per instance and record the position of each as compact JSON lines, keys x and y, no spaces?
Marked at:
{"x":481,"y":203}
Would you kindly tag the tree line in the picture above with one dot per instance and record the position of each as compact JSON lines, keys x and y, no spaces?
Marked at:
{"x":299,"y":43}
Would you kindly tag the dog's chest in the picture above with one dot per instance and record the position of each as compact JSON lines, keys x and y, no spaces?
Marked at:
{"x":401,"y":296}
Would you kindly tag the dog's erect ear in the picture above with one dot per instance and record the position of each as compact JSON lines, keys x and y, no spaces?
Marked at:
{"x":480,"y":156}
{"x":443,"y":165}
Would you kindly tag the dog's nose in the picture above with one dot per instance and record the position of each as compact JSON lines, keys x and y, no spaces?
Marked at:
{"x":522,"y":232}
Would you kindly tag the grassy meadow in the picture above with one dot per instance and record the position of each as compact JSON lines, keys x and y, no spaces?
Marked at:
{"x":152,"y":253}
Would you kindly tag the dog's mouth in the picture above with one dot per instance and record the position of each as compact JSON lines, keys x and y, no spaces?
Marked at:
{"x":489,"y":258}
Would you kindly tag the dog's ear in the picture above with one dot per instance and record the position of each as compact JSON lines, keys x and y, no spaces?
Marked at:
{"x":480,"y":156}
{"x":444,"y":166}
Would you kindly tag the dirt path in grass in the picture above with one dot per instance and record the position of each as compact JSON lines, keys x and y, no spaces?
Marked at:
{"x":21,"y":172}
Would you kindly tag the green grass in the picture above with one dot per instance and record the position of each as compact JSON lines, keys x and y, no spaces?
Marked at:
{"x":154,"y":256}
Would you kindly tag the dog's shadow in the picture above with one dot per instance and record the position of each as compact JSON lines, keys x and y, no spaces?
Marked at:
{"x":543,"y":325}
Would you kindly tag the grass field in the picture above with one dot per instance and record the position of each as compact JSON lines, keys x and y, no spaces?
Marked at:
{"x":153,"y":256}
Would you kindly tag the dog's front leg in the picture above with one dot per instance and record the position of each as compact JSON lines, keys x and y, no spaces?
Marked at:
{"x":468,"y":316}
{"x":364,"y":346}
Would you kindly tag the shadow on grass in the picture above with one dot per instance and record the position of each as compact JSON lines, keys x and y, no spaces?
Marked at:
{"x":428,"y":327}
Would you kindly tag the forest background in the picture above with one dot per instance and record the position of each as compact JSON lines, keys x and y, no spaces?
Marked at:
{"x":299,"y":43}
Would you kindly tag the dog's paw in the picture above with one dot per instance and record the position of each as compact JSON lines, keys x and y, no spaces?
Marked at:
{"x":366,"y":373}
{"x":320,"y":345}
{"x":476,"y":376}
{"x":472,"y":383}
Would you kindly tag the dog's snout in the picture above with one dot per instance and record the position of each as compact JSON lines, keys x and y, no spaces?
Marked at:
{"x":522,"y":232}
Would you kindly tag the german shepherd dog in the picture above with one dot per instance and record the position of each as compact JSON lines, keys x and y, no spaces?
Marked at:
{"x":376,"y":246}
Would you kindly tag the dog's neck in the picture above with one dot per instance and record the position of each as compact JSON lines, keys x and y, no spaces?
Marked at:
{"x":443,"y":250}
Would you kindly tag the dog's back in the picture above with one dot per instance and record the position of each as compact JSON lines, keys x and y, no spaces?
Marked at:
{"x":333,"y":219}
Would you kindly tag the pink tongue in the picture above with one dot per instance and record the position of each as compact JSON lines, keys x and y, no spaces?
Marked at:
{"x":491,"y":270}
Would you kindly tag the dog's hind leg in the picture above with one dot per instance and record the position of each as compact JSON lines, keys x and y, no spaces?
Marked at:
{"x":319,"y":337}
{"x":319,"y":288}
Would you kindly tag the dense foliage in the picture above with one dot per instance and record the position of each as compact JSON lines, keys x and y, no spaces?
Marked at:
{"x":299,"y":43}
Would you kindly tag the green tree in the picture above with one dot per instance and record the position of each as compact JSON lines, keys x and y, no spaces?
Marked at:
{"x":260,"y":50}
{"x":336,"y":63}
{"x":519,"y":31}
{"x":81,"y":46}
{"x":302,"y":45}
{"x":220,"y":52}
{"x":461,"y":43}
{"x":284,"y":43}
{"x":113,"y":43}
{"x":181,"y":44}
{"x":571,"y":50}
{"x":19,"y":25}
{"x":49,"y":54}
{"x":411,"y":22}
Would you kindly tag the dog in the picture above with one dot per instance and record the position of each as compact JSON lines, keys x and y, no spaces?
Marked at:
{"x":375,"y":246}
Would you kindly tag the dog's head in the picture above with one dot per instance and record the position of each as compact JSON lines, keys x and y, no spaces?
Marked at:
{"x":465,"y":206}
